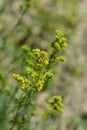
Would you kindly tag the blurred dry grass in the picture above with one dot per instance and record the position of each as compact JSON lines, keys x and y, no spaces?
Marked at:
{"x":72,"y":74}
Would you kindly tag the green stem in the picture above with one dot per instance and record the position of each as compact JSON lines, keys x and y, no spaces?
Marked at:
{"x":15,"y":117}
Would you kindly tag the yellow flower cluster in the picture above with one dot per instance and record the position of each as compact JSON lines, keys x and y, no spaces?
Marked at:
{"x":58,"y":46}
{"x":41,"y":82}
{"x":25,"y":48}
{"x":31,"y":72}
{"x":61,"y":40}
{"x":23,"y":82}
{"x":55,"y":103}
{"x":60,"y":58}
{"x":40,"y":59}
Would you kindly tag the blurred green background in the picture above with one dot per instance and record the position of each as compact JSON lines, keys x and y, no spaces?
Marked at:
{"x":33,"y":22}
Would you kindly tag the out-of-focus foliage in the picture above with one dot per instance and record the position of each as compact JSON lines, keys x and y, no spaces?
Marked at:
{"x":33,"y":23}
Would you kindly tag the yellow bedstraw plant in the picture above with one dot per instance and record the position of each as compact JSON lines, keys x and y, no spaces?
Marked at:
{"x":37,"y":71}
